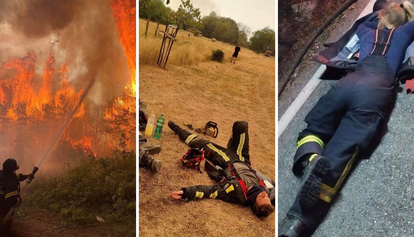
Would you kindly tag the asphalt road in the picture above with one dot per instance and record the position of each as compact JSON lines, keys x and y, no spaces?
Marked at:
{"x":377,"y":199}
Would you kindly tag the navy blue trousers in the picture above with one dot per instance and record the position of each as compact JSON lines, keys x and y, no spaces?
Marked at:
{"x":342,"y":124}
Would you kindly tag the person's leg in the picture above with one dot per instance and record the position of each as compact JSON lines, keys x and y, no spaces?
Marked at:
{"x":145,"y":160}
{"x":322,"y":120}
{"x":212,"y":151}
{"x":239,"y":140}
{"x":353,"y":135}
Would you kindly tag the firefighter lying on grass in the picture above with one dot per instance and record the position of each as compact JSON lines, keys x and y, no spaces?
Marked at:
{"x":238,"y":181}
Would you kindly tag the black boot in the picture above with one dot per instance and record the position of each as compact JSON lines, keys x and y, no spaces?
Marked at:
{"x":309,"y":192}
{"x":173,"y":126}
{"x":146,"y":161}
{"x":293,"y":227}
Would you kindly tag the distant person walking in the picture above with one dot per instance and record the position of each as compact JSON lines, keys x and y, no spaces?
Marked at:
{"x":236,"y":53}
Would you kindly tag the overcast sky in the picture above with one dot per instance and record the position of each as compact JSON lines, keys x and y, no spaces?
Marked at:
{"x":256,"y":14}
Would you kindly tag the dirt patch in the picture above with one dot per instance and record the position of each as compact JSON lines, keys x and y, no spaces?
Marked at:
{"x":41,"y":223}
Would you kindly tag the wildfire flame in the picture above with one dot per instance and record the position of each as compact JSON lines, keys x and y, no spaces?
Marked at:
{"x":34,"y":101}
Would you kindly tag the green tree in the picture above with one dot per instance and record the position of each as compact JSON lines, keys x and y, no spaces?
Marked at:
{"x":263,"y":40}
{"x":187,"y":15}
{"x":242,"y":36}
{"x":221,"y":28}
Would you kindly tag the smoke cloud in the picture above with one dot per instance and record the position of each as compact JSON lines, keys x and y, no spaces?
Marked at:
{"x":81,"y":32}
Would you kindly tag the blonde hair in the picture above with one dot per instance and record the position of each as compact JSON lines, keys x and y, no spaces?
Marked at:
{"x":409,"y":10}
{"x":395,"y":15}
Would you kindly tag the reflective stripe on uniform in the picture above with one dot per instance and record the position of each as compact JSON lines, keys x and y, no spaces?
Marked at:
{"x":229,"y":189}
{"x":328,"y":192}
{"x":240,"y":147}
{"x":310,"y":138}
{"x":221,"y":153}
{"x":214,"y":195}
{"x":199,"y":194}
{"x":14,"y":193}
{"x":312,"y":156}
{"x":190,"y":138}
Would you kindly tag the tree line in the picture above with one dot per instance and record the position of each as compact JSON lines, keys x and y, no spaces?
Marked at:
{"x":212,"y":26}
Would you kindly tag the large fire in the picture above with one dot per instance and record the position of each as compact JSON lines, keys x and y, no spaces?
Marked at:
{"x":122,"y":113}
{"x":34,"y":105}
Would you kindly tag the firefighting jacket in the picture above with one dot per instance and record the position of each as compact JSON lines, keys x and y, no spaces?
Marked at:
{"x":229,"y":189}
{"x":10,"y":189}
{"x":340,"y":56}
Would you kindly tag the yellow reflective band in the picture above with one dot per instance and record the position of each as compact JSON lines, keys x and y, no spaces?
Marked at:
{"x":1,"y":192}
{"x":240,"y":147}
{"x":190,"y":138}
{"x":229,"y":189}
{"x":199,"y":194}
{"x":221,"y":153}
{"x":328,"y":189}
{"x":17,"y":176}
{"x":11,"y":194}
{"x":310,"y":138}
{"x":338,"y":184}
{"x":347,"y":169}
{"x":214,"y":195}
{"x":312,"y":156}
{"x":325,"y":198}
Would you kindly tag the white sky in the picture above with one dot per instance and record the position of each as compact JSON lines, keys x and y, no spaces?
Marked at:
{"x":256,"y":14}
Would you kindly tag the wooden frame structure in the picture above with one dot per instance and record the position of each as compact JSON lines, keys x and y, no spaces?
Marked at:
{"x":168,"y":39}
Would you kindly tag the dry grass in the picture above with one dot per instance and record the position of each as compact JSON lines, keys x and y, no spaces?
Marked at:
{"x":198,"y":93}
{"x":187,"y":50}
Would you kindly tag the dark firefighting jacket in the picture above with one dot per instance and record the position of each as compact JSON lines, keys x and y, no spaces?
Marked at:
{"x":340,"y":57}
{"x":229,"y":189}
{"x":10,"y":189}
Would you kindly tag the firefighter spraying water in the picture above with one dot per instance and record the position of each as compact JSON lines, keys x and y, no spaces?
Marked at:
{"x":10,"y":181}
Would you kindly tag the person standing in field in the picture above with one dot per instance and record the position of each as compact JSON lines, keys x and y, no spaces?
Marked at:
{"x":236,"y":53}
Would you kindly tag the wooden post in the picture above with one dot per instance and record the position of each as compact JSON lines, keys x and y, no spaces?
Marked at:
{"x":156,"y":29}
{"x":146,"y":29}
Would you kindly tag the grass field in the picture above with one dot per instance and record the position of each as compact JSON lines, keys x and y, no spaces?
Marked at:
{"x":196,"y":90}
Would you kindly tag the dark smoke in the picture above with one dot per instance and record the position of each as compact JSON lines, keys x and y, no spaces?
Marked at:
{"x":88,"y":39}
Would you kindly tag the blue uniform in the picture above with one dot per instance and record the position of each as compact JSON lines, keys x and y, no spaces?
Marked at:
{"x":344,"y":121}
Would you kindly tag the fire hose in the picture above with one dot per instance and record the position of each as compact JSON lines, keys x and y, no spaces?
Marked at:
{"x":36,"y":168}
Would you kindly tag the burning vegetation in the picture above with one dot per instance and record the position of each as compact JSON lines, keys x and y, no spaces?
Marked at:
{"x":84,"y":41}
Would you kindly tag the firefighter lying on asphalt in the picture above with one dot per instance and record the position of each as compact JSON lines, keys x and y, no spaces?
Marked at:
{"x":344,"y":121}
{"x":238,"y":181}
{"x":10,"y":193}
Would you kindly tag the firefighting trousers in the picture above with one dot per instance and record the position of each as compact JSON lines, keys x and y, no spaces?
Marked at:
{"x":341,"y":125}
{"x":237,"y":147}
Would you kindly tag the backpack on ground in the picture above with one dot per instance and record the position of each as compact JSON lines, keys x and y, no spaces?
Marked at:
{"x":193,"y":158}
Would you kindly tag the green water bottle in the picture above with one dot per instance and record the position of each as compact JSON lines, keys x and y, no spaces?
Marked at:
{"x":158,"y":129}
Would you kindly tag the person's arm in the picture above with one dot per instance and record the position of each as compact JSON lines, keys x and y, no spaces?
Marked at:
{"x":408,"y":28}
{"x":226,"y":193}
{"x":193,"y":192}
{"x":22,"y":177}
